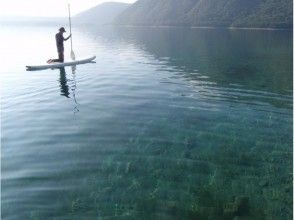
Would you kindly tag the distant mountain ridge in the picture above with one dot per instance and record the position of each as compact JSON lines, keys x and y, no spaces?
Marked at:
{"x":217,"y":13}
{"x":104,"y":13}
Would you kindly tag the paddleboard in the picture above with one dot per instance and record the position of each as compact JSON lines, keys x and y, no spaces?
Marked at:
{"x":60,"y":65}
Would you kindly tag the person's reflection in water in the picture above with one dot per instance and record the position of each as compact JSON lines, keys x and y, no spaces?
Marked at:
{"x":63,"y":83}
{"x":64,"y":87}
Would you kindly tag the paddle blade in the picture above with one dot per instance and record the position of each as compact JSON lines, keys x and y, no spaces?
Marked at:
{"x":72,"y":55}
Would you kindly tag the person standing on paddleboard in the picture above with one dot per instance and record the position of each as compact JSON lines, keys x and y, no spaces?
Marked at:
{"x":60,"y":47}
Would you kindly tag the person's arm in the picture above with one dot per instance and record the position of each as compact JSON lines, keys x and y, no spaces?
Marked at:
{"x":65,"y":39}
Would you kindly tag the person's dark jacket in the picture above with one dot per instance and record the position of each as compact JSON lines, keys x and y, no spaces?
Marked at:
{"x":59,"y":42}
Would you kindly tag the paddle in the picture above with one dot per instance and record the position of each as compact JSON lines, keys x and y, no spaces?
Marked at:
{"x":72,"y":54}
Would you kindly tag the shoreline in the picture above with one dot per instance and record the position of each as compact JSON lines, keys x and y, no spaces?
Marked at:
{"x":264,"y":29}
{"x":204,"y":27}
{"x":56,"y":21}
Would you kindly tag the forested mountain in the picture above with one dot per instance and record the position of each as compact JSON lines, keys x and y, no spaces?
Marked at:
{"x":157,"y":12}
{"x":270,"y":13}
{"x":228,"y":13}
{"x":101,"y":14}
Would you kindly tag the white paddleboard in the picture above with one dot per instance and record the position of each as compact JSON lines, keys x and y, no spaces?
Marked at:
{"x":59,"y":65}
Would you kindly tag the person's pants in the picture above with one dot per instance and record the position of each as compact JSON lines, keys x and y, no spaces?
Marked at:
{"x":60,"y":57}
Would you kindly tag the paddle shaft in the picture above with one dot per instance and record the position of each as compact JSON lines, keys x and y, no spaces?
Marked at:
{"x":69,"y":17}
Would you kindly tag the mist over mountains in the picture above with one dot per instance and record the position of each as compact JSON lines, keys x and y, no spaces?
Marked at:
{"x":101,"y":14}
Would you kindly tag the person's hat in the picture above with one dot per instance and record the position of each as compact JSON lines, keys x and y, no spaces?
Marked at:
{"x":62,"y":29}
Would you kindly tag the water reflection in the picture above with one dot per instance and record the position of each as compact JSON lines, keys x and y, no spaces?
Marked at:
{"x":250,"y":67}
{"x":255,"y":60}
{"x":73,"y":89}
{"x":65,"y":88}
{"x":63,"y":83}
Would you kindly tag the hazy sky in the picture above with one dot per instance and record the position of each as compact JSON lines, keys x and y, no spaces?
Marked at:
{"x":52,"y":8}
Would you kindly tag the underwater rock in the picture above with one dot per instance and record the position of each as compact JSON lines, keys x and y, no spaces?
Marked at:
{"x":240,"y":207}
{"x":130,"y":167}
{"x":240,"y":218}
{"x":147,"y":205}
{"x":243,"y":205}
{"x":288,"y":189}
{"x":75,"y":205}
{"x":264,"y":183}
{"x":187,"y":155}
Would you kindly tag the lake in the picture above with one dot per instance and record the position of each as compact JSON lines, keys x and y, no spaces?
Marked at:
{"x":169,"y":123}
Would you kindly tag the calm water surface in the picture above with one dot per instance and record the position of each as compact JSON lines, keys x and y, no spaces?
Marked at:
{"x":167,"y":124}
